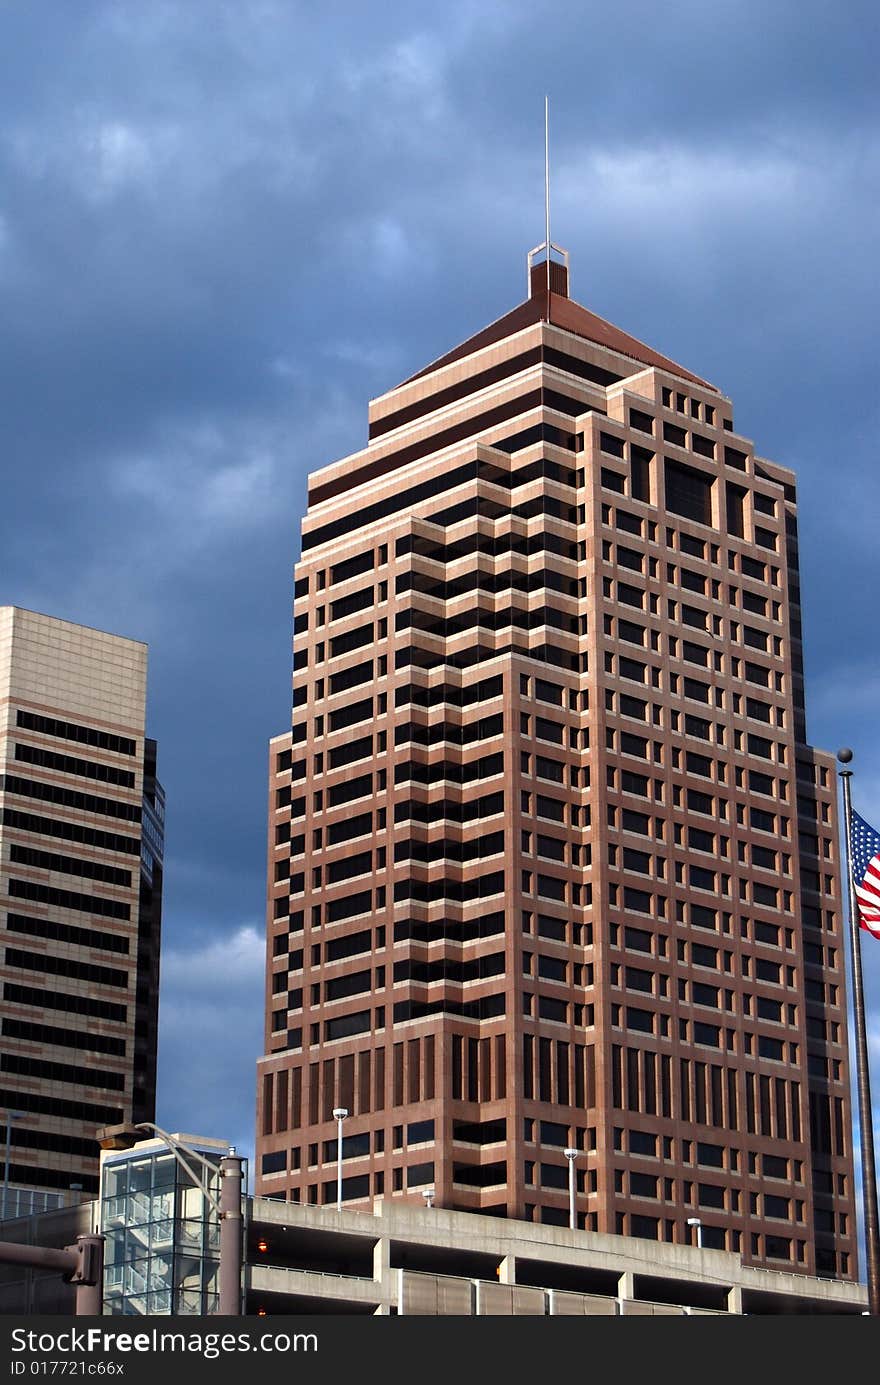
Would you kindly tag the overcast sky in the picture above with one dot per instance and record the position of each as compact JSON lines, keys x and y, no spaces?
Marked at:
{"x":224,"y":226}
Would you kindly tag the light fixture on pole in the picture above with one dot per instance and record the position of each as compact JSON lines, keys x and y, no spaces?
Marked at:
{"x":695,"y":1221}
{"x":571,"y":1154}
{"x":10,"y":1117}
{"x":339,"y":1115}
{"x":429,"y":1194}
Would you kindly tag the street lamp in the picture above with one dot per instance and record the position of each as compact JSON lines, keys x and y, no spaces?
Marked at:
{"x":429,"y":1194}
{"x":695,"y":1221}
{"x":571,"y":1155}
{"x":10,"y":1117}
{"x":339,"y":1115}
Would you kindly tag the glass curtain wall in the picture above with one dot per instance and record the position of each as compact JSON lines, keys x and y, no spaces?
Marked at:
{"x":162,"y":1252}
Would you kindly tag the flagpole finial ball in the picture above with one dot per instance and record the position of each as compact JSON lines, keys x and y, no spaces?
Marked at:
{"x":844,"y":755}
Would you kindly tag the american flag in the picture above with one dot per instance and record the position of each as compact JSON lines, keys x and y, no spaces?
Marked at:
{"x":866,"y":873}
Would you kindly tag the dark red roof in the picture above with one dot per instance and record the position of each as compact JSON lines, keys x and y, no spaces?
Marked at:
{"x":562,"y":311}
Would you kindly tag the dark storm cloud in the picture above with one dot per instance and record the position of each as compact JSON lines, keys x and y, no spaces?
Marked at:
{"x":223,"y":226}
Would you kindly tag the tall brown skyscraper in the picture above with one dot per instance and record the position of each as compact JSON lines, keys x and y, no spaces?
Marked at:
{"x":81,"y":835}
{"x":551,"y":863}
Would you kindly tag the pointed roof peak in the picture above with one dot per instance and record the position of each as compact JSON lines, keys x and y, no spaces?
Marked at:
{"x":549,"y":301}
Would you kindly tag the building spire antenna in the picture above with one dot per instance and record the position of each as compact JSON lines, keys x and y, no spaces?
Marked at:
{"x":547,"y":189}
{"x":546,"y":248}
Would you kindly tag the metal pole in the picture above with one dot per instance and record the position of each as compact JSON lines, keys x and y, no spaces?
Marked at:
{"x":340,"y":1112}
{"x":6,"y":1165}
{"x":571,"y":1155}
{"x":863,"y":1078}
{"x":547,"y":192}
{"x":81,"y":1265}
{"x":231,"y":1239}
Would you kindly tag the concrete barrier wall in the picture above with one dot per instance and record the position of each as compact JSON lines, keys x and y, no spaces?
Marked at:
{"x":509,"y":1300}
{"x":434,"y":1295}
{"x":565,"y":1304}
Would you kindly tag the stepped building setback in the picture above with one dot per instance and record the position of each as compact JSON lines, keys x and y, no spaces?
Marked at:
{"x":552,"y":864}
{"x":81,"y":837}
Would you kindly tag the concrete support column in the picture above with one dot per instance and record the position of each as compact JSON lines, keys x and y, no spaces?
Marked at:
{"x":382,"y":1265}
{"x":626,"y":1285}
{"x":507,"y":1270}
{"x":735,"y":1299}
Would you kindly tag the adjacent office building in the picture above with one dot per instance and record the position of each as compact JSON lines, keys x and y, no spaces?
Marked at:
{"x":552,"y":864}
{"x":81,"y":837}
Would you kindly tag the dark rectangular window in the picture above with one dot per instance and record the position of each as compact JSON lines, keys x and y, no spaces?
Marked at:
{"x":354,"y":983}
{"x":703,"y":956}
{"x":70,"y":731}
{"x":347,"y":1025}
{"x":632,"y":669}
{"x":67,"y":933}
{"x":633,"y":745}
{"x":351,"y":639}
{"x":611,"y":444}
{"x":69,"y":899}
{"x":631,"y":633}
{"x":735,"y":511}
{"x":640,"y":472}
{"x":351,"y":567}
{"x":644,"y":422}
{"x":630,"y":524}
{"x":71,"y":764}
{"x":634,"y":783}
{"x":710,"y":1195}
{"x":630,"y":595}
{"x":347,"y":605}
{"x":546,"y":692}
{"x":350,"y":714}
{"x":69,"y":798}
{"x":688,"y":492}
{"x":637,"y":900}
{"x":549,"y":769}
{"x":352,"y":750}
{"x":351,"y":677}
{"x":612,"y":481}
{"x":351,"y":789}
{"x":547,"y":730}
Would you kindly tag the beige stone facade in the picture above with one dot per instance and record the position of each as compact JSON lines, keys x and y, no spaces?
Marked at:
{"x":80,"y":896}
{"x":551,"y":862}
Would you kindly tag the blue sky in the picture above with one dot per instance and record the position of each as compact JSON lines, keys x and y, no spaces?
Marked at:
{"x":225,"y":225}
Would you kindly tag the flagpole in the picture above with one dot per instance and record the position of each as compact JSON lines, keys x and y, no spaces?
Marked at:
{"x":863,"y":1078}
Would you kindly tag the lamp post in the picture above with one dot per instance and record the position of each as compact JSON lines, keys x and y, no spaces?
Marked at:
{"x":10,"y":1117}
{"x":429,"y":1195}
{"x":571,"y":1154}
{"x":231,"y":1234}
{"x":339,"y":1115}
{"x":695,"y":1221}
